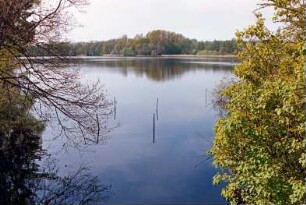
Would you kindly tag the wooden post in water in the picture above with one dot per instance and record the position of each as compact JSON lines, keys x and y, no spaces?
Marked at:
{"x":98,"y":124}
{"x":153,"y":128}
{"x":115,"y":108}
{"x":157,"y":109}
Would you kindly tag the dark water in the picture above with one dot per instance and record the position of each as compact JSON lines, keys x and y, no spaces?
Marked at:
{"x":142,"y":163}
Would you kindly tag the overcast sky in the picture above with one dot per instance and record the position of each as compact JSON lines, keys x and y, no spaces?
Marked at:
{"x":199,"y":19}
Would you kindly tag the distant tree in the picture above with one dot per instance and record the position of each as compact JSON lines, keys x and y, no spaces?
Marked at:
{"x":173,"y":48}
{"x":108,"y":47}
{"x":154,"y":43}
{"x":143,"y":49}
{"x":128,"y":51}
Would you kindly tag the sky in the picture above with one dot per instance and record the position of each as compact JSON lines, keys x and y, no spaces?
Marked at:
{"x":198,"y":19}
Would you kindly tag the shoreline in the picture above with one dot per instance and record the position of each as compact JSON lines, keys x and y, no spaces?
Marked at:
{"x":202,"y":56}
{"x":194,"y":57}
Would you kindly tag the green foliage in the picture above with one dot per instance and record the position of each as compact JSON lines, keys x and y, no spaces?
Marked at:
{"x":260,"y":143}
{"x":206,"y":52}
{"x":154,"y":43}
{"x":15,"y":105}
{"x":128,"y":51}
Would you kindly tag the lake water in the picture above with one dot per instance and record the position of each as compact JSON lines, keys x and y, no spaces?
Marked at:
{"x":165,"y":163}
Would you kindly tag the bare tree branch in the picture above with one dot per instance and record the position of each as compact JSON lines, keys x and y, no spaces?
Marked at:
{"x":54,"y":82}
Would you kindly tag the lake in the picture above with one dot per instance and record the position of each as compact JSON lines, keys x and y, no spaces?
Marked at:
{"x":162,"y":127}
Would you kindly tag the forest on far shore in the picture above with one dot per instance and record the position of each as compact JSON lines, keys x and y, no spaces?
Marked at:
{"x":154,"y":43}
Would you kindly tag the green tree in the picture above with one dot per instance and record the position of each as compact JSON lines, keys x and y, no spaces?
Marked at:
{"x":128,"y":51}
{"x":259,"y":144}
{"x":58,"y":92}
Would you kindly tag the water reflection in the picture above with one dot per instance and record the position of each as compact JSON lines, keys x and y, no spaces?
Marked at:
{"x":18,"y":153}
{"x":158,"y":69}
{"x":155,"y":163}
{"x":28,"y":174}
{"x":23,"y":180}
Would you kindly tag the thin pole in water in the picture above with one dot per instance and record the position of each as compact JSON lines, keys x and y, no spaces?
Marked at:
{"x":98,"y":124}
{"x":115,"y":108}
{"x":157,"y":109}
{"x":153,"y":128}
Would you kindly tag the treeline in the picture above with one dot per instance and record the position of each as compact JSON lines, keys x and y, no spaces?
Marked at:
{"x":154,"y":43}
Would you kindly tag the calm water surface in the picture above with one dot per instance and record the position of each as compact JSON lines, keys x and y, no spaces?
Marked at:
{"x":166,"y":165}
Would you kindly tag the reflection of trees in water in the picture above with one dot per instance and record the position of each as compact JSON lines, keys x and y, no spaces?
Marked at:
{"x":158,"y":69}
{"x":28,"y":175}
{"x":18,"y":153}
{"x":57,"y":92}
{"x":24,"y":181}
